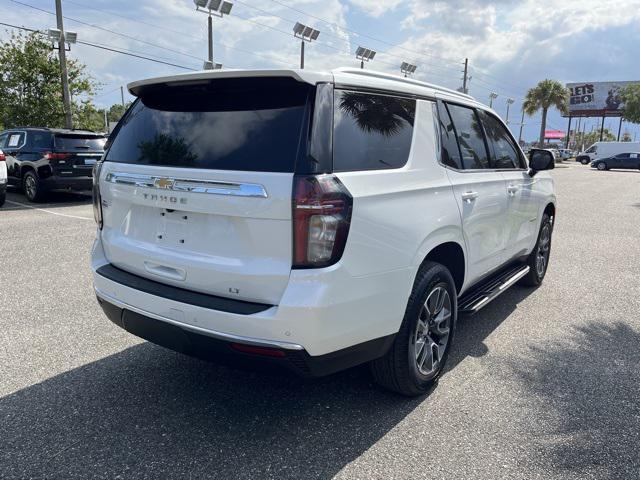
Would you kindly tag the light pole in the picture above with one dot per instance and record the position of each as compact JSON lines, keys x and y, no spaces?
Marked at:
{"x":492,"y":97}
{"x":509,"y":103}
{"x":217,"y":8}
{"x":305,"y":34}
{"x":407,"y":69}
{"x":521,"y":125}
{"x":364,"y":55}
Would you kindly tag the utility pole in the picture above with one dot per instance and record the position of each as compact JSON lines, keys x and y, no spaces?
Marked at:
{"x":106,"y":121}
{"x":122,"y":94}
{"x":62,"y":53}
{"x":301,"y":54}
{"x":210,"y":28}
{"x":602,"y":125}
{"x":566,"y":145}
{"x":464,"y":78}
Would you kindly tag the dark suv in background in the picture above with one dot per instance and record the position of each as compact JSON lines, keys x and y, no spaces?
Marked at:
{"x":39,"y":160}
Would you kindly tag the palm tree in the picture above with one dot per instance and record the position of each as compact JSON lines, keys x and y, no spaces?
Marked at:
{"x":377,"y":113}
{"x":547,"y":94}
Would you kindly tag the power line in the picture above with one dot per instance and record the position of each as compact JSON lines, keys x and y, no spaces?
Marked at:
{"x":104,"y":47}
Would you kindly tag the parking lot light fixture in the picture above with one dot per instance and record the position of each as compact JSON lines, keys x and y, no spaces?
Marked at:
{"x":217,"y":8}
{"x":492,"y":97}
{"x":212,"y":66}
{"x":364,"y":55}
{"x":407,"y":69}
{"x":509,"y":103}
{"x":306,"y":34}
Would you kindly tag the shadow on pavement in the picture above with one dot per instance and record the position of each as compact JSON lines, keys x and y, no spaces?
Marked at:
{"x":53,"y":199}
{"x":588,"y":386}
{"x":149,"y":412}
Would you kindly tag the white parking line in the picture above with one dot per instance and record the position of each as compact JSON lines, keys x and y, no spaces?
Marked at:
{"x":48,"y":211}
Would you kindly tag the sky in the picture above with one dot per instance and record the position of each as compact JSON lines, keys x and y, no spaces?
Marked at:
{"x":511,"y":45}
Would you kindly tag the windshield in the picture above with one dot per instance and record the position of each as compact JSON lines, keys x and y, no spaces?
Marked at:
{"x":232,"y":124}
{"x":73,"y":143}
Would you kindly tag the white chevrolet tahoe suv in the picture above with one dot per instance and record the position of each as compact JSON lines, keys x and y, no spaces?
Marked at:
{"x":314,"y":220}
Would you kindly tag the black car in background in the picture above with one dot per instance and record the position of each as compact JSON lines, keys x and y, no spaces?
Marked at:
{"x":622,"y":160}
{"x":39,"y":160}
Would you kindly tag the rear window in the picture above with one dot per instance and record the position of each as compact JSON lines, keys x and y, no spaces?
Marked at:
{"x":74,"y":143}
{"x":229,"y":124}
{"x":371,"y":132}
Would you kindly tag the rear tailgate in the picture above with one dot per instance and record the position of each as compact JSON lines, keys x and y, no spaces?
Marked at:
{"x":76,"y":154}
{"x":196,"y":186}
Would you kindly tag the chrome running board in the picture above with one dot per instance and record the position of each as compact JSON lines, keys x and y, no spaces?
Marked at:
{"x":488,"y":290}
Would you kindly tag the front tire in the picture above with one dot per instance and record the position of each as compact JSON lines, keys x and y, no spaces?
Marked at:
{"x":420,"y":350}
{"x":32,"y":187}
{"x":538,"y":261}
{"x":601,"y":166}
{"x":584,"y":160}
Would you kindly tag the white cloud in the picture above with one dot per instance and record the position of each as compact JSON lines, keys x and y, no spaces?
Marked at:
{"x":377,"y":7}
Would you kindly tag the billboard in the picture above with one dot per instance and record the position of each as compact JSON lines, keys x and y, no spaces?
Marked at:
{"x":595,"y":99}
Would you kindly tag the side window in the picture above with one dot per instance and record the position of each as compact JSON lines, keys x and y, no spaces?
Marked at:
{"x":470,"y":137}
{"x":371,"y":132}
{"x":15,"y":140}
{"x":3,"y":140}
{"x":40,"y":140}
{"x":450,"y":151}
{"x":505,"y":153}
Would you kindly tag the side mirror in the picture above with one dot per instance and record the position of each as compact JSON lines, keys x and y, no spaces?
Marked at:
{"x":540,"y":160}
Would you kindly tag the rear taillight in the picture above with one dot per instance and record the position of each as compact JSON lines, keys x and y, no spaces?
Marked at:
{"x":321,"y":218}
{"x":2,"y":156}
{"x":97,"y":201}
{"x":56,"y":156}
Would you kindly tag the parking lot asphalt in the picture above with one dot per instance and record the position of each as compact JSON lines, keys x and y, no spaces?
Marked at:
{"x":541,"y":383}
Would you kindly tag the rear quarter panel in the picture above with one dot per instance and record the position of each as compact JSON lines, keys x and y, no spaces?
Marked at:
{"x":399,"y":215}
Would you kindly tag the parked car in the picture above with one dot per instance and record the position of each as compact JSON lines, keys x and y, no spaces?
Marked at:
{"x":565,"y":153}
{"x":605,"y":150}
{"x":39,"y":160}
{"x":3,"y":178}
{"x":314,"y":220}
{"x":622,"y":160}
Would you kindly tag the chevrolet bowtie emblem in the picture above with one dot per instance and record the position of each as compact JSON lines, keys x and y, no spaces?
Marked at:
{"x":165,"y":183}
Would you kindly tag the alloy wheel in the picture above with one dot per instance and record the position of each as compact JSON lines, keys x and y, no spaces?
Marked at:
{"x":544,"y":247}
{"x":30,"y":186}
{"x":431,"y":337}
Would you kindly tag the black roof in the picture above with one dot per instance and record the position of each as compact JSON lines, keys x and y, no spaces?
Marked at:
{"x":58,"y":130}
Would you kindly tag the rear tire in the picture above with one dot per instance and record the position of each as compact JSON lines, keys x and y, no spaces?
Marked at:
{"x":32,"y":187}
{"x":420,"y":350}
{"x":3,"y":198}
{"x":541,"y":253}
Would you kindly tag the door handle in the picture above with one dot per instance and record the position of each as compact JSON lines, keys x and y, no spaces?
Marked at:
{"x":512,"y":189}
{"x":469,"y":196}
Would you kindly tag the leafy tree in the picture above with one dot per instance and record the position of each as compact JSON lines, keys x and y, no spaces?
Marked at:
{"x":630,"y":95}
{"x":547,"y":94}
{"x":30,"y":85}
{"x":116,"y":111}
{"x":86,"y":116}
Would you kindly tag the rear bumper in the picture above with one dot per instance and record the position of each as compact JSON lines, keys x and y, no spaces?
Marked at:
{"x":321,"y":312}
{"x":56,"y":182}
{"x":229,"y":349}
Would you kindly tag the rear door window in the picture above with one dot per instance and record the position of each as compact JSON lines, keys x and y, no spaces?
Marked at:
{"x":505,"y":153}
{"x":76,"y":143}
{"x":242,"y":124}
{"x":371,"y":132}
{"x":470,"y":137}
{"x":15,"y":140}
{"x":450,"y":150}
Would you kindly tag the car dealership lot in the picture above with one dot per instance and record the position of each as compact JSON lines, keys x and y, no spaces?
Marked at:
{"x":541,"y":384}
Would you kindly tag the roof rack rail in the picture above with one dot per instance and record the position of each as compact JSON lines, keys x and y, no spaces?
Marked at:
{"x":396,"y":78}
